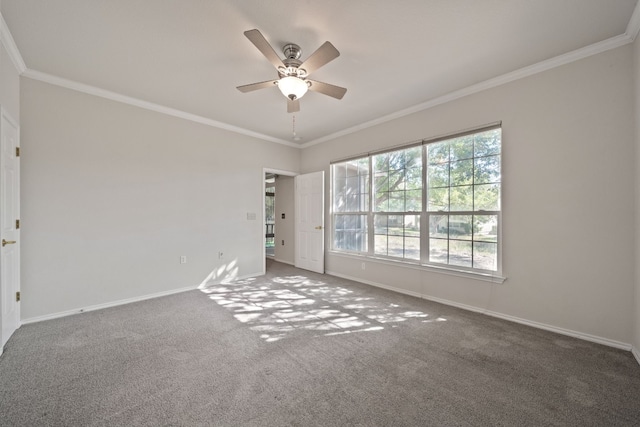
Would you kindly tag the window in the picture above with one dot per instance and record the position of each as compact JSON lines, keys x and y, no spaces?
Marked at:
{"x":397,"y":183}
{"x":350,"y":205}
{"x":463,"y":193}
{"x":436,"y":203}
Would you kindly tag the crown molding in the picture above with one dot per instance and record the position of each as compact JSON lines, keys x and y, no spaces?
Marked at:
{"x":567,"y":58}
{"x":7,"y":41}
{"x":114,"y":96}
{"x":634,"y":23}
{"x":633,"y":28}
{"x":10,"y":45}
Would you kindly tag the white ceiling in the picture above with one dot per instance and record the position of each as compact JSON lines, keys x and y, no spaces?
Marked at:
{"x":190,"y":55}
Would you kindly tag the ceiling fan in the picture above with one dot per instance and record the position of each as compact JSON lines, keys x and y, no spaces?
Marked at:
{"x":293,"y":73}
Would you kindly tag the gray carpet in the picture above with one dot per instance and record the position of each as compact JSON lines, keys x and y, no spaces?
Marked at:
{"x":295,"y":348}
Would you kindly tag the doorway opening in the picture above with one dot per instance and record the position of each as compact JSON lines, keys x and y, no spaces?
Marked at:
{"x":270,"y":214}
{"x":278,"y":216}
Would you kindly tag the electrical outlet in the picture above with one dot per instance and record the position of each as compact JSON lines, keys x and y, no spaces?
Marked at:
{"x":283,"y":243}
{"x":183,"y":259}
{"x":220,"y":255}
{"x":364,"y":266}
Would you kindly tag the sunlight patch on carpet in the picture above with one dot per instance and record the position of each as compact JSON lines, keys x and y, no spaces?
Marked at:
{"x":280,"y":306}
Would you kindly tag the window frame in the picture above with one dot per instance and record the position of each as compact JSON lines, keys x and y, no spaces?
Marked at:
{"x":425,"y":214}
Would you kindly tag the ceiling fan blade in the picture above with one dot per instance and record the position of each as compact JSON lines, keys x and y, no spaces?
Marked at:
{"x":325,"y":54}
{"x":327,"y":89}
{"x":293,"y":106}
{"x":263,"y":46}
{"x":255,"y":86}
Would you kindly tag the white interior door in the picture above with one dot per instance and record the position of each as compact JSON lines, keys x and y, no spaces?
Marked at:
{"x":9,"y":226}
{"x":309,"y":200}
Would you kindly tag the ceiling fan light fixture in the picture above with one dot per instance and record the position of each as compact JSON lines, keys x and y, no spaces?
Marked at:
{"x":292,"y":87}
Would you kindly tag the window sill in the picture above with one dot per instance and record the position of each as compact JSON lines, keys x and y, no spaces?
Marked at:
{"x":485,"y":277}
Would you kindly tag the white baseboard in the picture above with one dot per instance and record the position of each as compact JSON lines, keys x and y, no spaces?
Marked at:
{"x":283,"y":261}
{"x":376,"y":284}
{"x":636,"y":354}
{"x":105,"y":305}
{"x":126,"y":301}
{"x":562,"y":331}
{"x":538,"y":325}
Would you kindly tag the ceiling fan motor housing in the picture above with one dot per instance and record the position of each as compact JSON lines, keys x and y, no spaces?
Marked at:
{"x":291,"y":62}
{"x":292,"y":51}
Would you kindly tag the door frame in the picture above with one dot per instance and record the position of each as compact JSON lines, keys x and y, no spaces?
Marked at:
{"x":264,"y":214}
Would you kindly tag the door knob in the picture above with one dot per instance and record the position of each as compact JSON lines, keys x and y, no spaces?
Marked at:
{"x":7,"y":242}
{"x":319,"y":227}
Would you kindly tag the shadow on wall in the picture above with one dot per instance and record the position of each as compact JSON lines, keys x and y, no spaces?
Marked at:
{"x":285,"y":306}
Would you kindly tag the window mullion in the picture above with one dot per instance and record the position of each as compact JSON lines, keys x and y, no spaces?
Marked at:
{"x":371,"y":231}
{"x":424,"y":218}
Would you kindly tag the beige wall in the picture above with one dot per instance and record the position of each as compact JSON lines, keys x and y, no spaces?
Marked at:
{"x":285,"y":227}
{"x":568,"y":204}
{"x":9,"y":86}
{"x":113,"y":195}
